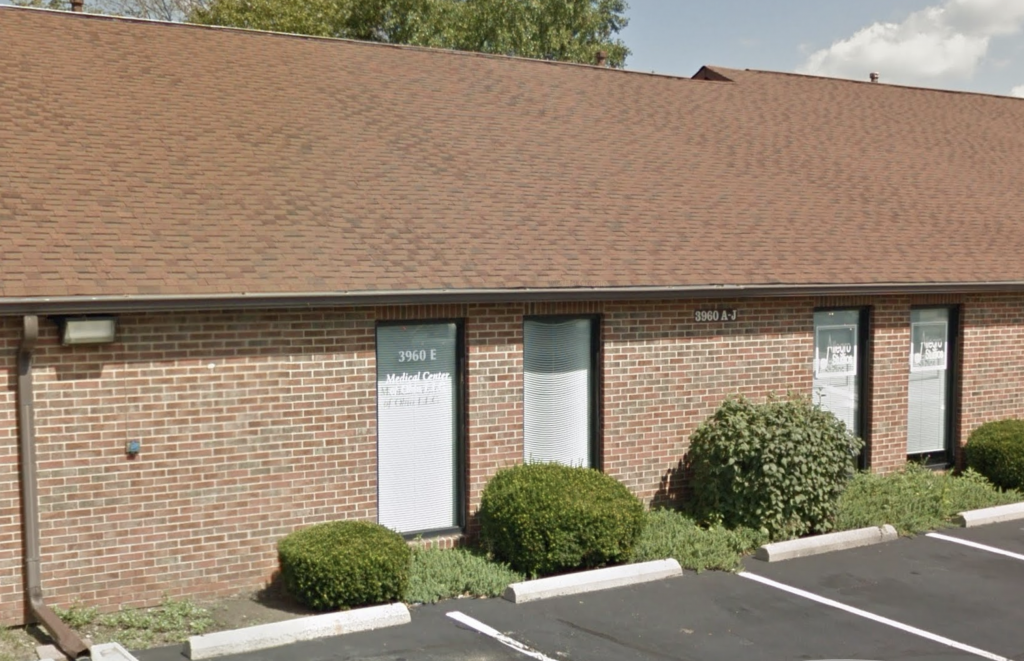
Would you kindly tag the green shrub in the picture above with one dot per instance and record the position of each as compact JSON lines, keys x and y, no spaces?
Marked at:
{"x":447,"y":573}
{"x":915,"y":499}
{"x":778,"y":467}
{"x":343,"y":564}
{"x":996,"y":450}
{"x":545,"y":518}
{"x":671,"y":534}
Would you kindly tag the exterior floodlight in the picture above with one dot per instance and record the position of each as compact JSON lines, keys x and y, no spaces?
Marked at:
{"x":88,"y":330}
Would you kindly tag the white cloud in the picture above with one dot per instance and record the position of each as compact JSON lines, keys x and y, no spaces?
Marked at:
{"x":946,"y":41}
{"x":1018,"y":91}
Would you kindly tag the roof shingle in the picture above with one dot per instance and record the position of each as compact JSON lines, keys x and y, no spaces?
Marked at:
{"x":141,"y":158}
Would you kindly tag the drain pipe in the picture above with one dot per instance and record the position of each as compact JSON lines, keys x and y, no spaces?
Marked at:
{"x":66,"y":639}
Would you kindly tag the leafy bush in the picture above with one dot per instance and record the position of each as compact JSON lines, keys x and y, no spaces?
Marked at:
{"x":996,"y":450}
{"x":671,"y":534}
{"x":544,"y":518}
{"x":443,"y":574}
{"x":779,"y":466}
{"x":343,"y":564}
{"x":915,"y":499}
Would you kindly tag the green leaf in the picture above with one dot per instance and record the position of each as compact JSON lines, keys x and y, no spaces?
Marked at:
{"x":565,"y":30}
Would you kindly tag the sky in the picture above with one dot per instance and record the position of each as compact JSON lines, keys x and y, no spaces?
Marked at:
{"x":968,"y":45}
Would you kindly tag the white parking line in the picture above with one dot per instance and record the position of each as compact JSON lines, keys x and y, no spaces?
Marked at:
{"x":877,"y":618}
{"x":498,"y":636}
{"x":975,"y":545}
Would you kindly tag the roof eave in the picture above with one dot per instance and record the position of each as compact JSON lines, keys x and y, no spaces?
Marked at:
{"x":64,"y":305}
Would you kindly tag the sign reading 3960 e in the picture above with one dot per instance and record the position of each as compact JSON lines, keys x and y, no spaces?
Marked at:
{"x":728,"y":314}
{"x":417,"y":355}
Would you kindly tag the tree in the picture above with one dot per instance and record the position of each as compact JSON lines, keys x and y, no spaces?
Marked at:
{"x":569,"y":31}
{"x":565,"y":30}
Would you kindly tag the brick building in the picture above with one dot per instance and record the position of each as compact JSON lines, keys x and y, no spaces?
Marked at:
{"x":353,"y":280}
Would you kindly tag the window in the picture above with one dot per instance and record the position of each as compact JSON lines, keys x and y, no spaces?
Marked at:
{"x":930,"y":402}
{"x":559,"y":390}
{"x":418,"y":426}
{"x":839,"y":365}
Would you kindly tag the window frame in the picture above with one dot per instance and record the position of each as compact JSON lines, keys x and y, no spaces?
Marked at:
{"x":864,"y":351}
{"x":459,"y":395}
{"x":594,"y":385}
{"x":945,"y":458}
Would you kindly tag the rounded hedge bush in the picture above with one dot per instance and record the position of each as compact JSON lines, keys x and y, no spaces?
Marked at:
{"x":996,"y":450}
{"x":343,"y":564}
{"x":544,"y":518}
{"x":778,"y":467}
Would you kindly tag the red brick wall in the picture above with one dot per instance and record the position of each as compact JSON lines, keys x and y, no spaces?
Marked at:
{"x":993,"y":363}
{"x":889,"y":359}
{"x":494,"y":384}
{"x":251,"y":424}
{"x":11,"y":560}
{"x":254,"y":424}
{"x":664,"y":373}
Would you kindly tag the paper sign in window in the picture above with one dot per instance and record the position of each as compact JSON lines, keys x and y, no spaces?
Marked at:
{"x":835,"y":350}
{"x":928,"y":346}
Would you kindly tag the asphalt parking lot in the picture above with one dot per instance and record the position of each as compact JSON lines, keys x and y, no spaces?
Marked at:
{"x":926,"y":598}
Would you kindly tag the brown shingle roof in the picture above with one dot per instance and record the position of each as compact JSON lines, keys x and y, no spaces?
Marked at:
{"x":141,"y":158}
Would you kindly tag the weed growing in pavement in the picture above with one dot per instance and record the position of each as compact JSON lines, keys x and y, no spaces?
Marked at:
{"x":915,"y":499}
{"x":173,"y":621}
{"x":671,"y":534}
{"x":77,"y":615}
{"x":14,"y":644}
{"x":444,"y":574}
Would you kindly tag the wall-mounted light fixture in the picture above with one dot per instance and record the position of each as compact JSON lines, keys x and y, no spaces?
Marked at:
{"x":87,"y":330}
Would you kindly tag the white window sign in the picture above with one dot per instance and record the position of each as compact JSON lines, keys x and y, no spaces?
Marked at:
{"x":835,"y":350}
{"x":417,"y":421}
{"x":928,"y":346}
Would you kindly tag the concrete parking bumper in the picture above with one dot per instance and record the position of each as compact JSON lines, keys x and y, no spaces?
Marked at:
{"x":837,"y":541}
{"x":590,"y":581}
{"x":290,"y":631}
{"x":990,"y":515}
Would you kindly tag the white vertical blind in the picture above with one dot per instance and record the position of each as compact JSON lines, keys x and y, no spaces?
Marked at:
{"x":417,"y":415}
{"x":556,"y":390}
{"x":926,"y":408}
{"x":836,"y":353}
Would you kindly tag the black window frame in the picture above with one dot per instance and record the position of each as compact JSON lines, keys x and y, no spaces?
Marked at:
{"x":461,"y":400}
{"x":594,"y":387}
{"x":945,"y":458}
{"x":863,"y":419}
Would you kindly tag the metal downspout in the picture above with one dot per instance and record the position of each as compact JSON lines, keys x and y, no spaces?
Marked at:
{"x":66,"y":639}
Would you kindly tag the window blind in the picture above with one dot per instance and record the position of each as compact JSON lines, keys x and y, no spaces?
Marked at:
{"x":557,"y":364}
{"x":927,"y":391}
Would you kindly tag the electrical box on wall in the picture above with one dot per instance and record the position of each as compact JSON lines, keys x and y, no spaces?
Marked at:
{"x":132,"y":448}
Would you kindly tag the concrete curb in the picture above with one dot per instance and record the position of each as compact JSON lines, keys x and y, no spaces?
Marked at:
{"x":275,"y":634}
{"x":110,"y":652}
{"x":101,"y":652}
{"x":836,"y":541}
{"x":590,"y":581}
{"x":990,"y":515}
